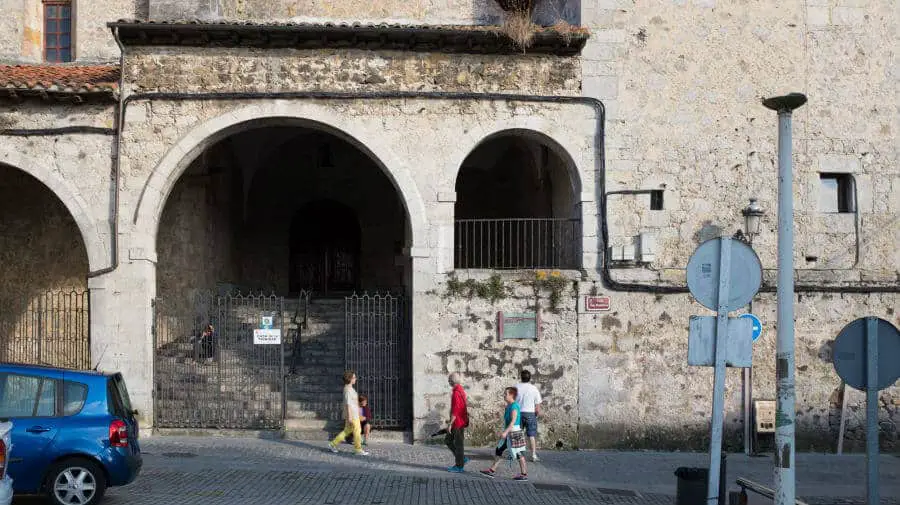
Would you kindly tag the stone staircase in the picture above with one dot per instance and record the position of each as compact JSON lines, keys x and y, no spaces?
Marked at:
{"x":313,"y":390}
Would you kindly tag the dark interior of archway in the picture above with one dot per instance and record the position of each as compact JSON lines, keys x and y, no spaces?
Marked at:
{"x":282,"y":209}
{"x":43,"y":303}
{"x":515,"y":207}
{"x":324,"y":248}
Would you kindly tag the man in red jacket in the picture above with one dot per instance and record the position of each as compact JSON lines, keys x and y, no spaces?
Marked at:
{"x":459,"y":421}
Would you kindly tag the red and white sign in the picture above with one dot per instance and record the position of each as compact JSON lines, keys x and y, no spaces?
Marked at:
{"x":596,"y":303}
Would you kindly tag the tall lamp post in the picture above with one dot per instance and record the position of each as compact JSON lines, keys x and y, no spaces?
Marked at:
{"x":753,"y":214}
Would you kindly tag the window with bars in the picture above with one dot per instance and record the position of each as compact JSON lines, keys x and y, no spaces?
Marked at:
{"x":57,"y":31}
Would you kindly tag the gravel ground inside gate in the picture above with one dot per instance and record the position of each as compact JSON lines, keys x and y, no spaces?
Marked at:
{"x":219,"y":470}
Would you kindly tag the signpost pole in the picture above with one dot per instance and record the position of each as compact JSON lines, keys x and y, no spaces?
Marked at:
{"x":785,"y":485}
{"x":718,"y":406}
{"x":872,"y":410}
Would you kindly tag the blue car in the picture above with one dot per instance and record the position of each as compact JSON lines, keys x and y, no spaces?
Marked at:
{"x":74,"y":432}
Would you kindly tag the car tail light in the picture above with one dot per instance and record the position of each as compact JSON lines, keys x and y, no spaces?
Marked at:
{"x":2,"y":459}
{"x":118,"y":433}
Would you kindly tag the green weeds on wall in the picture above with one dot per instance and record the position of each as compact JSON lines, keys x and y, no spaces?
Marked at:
{"x":553,"y":283}
{"x":493,"y":289}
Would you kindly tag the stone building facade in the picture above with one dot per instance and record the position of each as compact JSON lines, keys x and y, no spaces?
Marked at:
{"x":195,"y":144}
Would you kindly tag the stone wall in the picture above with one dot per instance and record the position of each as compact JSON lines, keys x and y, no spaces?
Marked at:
{"x":637,"y":391}
{"x":211,"y":70}
{"x":464,"y":338}
{"x":22,"y":29}
{"x":682,"y":83}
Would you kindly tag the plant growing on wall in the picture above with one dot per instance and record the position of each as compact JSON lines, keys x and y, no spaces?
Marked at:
{"x":554,"y":284}
{"x":518,"y":24}
{"x":493,"y":289}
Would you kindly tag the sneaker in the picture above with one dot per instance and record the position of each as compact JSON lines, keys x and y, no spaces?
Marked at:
{"x":332,"y":448}
{"x":488,"y":473}
{"x":456,"y":469}
{"x":362,"y":453}
{"x":535,"y":458}
{"x":521,"y":477}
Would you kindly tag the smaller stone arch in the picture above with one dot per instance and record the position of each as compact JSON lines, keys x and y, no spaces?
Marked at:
{"x":518,"y":203}
{"x":97,"y":248}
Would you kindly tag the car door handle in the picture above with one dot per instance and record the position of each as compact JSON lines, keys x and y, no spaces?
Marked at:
{"x":37,"y":429}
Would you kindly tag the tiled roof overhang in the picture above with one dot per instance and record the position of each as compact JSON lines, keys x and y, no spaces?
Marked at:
{"x":424,"y":38}
{"x":72,"y":83}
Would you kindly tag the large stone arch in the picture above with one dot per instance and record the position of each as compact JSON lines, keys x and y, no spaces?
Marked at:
{"x":97,"y":249}
{"x":165,"y":175}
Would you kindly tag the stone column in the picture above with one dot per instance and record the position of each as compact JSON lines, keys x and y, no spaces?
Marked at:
{"x":121,"y":327}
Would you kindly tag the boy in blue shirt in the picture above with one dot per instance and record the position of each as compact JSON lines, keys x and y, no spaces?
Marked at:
{"x":512,"y":429}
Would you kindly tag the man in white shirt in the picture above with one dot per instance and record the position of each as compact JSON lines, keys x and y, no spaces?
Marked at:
{"x":529,"y":400}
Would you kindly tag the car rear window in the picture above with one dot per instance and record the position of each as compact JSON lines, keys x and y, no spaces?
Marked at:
{"x":74,"y":395}
{"x":120,"y":403}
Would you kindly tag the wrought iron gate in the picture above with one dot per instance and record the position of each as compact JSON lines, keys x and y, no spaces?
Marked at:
{"x":50,"y":328}
{"x":223,"y":379}
{"x":378,"y":349}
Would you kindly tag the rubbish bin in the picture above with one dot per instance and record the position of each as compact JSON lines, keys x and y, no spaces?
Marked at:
{"x":693,"y":483}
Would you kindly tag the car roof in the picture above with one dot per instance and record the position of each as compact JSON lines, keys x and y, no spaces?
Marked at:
{"x":52,"y":370}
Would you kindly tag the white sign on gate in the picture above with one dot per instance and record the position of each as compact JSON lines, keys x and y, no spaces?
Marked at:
{"x":267,"y":337}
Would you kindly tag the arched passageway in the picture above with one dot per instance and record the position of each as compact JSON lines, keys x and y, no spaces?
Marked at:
{"x":516,"y":205}
{"x":44,"y":313}
{"x":304,"y":220}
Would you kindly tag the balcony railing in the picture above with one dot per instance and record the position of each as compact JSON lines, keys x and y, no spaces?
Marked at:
{"x":509,"y":244}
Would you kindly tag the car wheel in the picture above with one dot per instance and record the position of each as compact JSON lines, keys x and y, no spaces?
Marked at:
{"x":75,"y":481}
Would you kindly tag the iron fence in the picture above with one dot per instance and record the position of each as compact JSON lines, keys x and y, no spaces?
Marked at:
{"x":517,"y":243}
{"x":378,"y":349}
{"x":221,"y":378}
{"x":51,"y":328}
{"x":300,"y":320}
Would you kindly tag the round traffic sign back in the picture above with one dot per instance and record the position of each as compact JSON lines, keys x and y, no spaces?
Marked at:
{"x":850,"y":357}
{"x":745,"y":275}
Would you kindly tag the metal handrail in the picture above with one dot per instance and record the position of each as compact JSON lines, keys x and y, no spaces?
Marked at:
{"x":517,"y":243}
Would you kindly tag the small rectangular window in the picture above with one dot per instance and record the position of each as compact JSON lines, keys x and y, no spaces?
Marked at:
{"x":57,"y":31}
{"x":837,"y":193}
{"x":656,"y":199}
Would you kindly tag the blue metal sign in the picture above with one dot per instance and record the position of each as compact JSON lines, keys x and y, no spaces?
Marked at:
{"x":757,"y":325}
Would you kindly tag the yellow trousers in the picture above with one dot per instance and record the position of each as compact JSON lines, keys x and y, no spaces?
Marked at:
{"x":350,"y":428}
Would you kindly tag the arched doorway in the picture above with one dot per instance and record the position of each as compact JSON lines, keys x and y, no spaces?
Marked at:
{"x":306,"y":217}
{"x":44,"y":312}
{"x":324,"y":248}
{"x":516,"y":205}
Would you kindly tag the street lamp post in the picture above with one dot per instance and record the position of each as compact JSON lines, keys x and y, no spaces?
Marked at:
{"x":753,"y":214}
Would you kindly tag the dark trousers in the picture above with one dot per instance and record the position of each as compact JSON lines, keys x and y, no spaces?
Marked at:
{"x":456,"y":444}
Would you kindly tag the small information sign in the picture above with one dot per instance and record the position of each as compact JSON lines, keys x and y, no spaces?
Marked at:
{"x":266,"y":322}
{"x":263,"y":336}
{"x":596,"y":303}
{"x":519,"y":325}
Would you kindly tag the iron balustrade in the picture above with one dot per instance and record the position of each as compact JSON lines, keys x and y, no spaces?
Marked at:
{"x":518,"y":243}
{"x":50,"y":328}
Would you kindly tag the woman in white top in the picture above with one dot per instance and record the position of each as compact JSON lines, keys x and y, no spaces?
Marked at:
{"x":351,"y":417}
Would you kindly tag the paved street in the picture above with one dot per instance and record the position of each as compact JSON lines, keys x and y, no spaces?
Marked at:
{"x":225,"y":471}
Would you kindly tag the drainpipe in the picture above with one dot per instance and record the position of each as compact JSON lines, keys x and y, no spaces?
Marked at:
{"x":116,"y":166}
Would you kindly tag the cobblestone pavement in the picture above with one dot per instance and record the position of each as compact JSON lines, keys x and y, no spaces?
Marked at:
{"x":226,"y":471}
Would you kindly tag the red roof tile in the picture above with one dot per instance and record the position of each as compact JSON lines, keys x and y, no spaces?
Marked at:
{"x":60,"y":78}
